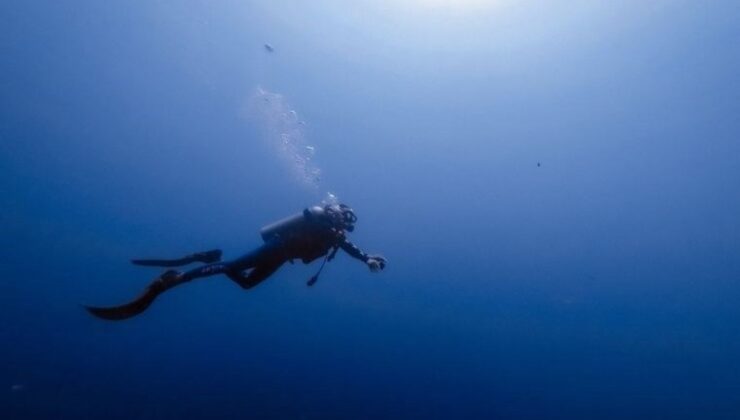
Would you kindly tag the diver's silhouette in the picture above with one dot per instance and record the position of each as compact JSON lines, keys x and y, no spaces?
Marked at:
{"x":316,"y":232}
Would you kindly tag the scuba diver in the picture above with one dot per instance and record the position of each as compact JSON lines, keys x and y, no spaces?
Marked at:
{"x":317,"y":231}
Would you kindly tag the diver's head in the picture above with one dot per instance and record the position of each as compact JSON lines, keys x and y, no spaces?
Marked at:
{"x":342,"y":216}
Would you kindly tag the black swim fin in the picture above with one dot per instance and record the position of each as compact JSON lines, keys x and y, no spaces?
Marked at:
{"x":167,"y":280}
{"x":207,"y":257}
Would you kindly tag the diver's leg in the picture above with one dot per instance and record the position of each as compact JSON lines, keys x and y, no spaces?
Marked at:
{"x":254,"y":277}
{"x":264,"y":261}
{"x":242,"y":263}
{"x":204,"y":271}
{"x":211,"y":256}
{"x":266,"y":254}
{"x":166,"y":281}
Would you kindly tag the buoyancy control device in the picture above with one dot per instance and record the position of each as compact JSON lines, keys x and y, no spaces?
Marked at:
{"x":295,"y":223}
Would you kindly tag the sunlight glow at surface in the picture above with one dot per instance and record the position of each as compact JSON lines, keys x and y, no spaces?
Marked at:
{"x":451,"y":6}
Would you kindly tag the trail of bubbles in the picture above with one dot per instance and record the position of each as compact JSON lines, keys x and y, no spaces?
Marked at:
{"x":285,"y":132}
{"x":330,"y":200}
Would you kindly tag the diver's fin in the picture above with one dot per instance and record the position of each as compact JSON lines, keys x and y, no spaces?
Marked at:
{"x":141,"y":303}
{"x":160,"y":263}
{"x":128,"y":310}
{"x":207,"y":257}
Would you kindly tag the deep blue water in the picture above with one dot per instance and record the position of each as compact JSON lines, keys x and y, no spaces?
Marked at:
{"x":554,"y":184}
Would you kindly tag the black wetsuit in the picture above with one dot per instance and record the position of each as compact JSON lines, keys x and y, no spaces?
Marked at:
{"x":312,"y":241}
{"x":256,"y":266}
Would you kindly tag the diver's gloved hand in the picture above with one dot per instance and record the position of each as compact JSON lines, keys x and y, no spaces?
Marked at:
{"x":375,"y":263}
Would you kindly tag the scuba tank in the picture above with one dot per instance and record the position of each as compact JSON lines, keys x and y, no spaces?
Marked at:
{"x":336,"y":217}
{"x":295,"y":223}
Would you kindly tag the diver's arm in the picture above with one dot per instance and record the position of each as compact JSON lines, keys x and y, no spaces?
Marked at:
{"x":353,"y":250}
{"x":374,"y":262}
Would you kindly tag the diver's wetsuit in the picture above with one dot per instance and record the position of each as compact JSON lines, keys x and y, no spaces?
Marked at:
{"x":265,"y":260}
{"x":307,"y":244}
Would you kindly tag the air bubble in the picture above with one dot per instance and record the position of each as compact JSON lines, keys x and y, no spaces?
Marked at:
{"x":284,"y":130}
